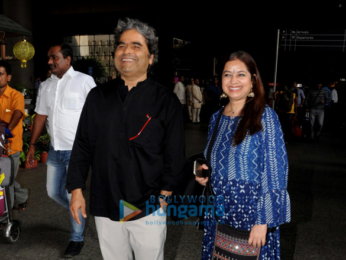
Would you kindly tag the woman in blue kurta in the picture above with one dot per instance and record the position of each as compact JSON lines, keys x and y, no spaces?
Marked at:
{"x":249,"y":162}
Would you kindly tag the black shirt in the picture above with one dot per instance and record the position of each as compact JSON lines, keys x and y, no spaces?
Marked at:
{"x":134,"y":142}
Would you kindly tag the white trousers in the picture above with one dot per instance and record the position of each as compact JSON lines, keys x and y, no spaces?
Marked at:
{"x":189,"y":109}
{"x":144,"y":237}
{"x":195,"y":114}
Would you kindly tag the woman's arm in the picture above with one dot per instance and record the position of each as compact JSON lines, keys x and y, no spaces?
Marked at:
{"x":273,"y":206}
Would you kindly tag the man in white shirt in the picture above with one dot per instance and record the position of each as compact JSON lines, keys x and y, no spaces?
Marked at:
{"x":59,"y":104}
{"x":334,"y":94}
{"x":196,"y":102}
{"x":179,"y":90}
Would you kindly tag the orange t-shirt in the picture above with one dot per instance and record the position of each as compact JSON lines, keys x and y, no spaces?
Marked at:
{"x":11,"y":101}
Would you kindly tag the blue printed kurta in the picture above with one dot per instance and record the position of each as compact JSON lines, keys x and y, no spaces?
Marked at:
{"x":249,"y":181}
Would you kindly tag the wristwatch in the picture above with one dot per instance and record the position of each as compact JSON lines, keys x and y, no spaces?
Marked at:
{"x":166,"y":198}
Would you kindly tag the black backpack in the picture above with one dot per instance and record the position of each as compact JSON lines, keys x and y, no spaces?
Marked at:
{"x":285,"y":101}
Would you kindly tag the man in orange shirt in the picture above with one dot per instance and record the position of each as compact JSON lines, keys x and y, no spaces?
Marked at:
{"x":12,"y":113}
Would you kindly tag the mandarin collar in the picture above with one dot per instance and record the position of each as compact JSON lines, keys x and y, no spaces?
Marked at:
{"x":139,"y":85}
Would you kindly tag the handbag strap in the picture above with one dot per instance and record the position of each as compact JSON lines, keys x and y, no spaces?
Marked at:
{"x":211,"y":144}
{"x":213,"y":137}
{"x":208,"y":190}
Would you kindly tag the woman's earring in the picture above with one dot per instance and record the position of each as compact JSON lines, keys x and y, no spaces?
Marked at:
{"x":223,"y":95}
{"x":251,"y":94}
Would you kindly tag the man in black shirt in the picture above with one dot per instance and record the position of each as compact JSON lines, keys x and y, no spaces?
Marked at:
{"x":131,"y":132}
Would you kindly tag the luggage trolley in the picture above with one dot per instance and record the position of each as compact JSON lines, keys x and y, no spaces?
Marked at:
{"x":11,"y":228}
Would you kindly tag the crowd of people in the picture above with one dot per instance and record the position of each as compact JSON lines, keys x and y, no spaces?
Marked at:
{"x":312,"y":108}
{"x":199,"y":98}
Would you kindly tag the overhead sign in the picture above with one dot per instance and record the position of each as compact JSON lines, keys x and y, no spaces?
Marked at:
{"x":293,"y":40}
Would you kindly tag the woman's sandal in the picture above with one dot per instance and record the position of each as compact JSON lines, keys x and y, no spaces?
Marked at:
{"x":22,"y":206}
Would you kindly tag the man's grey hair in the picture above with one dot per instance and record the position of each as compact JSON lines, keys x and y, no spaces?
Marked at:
{"x":147,"y":31}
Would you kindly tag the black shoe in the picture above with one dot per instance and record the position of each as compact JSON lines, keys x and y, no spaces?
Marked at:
{"x":73,"y":249}
{"x":22,"y":206}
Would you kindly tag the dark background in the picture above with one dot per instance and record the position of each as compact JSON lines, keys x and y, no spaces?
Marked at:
{"x":214,"y":30}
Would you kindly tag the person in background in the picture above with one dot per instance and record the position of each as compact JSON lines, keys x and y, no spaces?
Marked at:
{"x":212,"y":94}
{"x":327,"y":106}
{"x":189,"y":97}
{"x":334,"y":106}
{"x":196,"y":102}
{"x":248,"y":161}
{"x":203,"y":109}
{"x":315,"y":100}
{"x":300,"y":103}
{"x":286,"y":100}
{"x":179,"y":90}
{"x":59,"y":104}
{"x":12,"y":114}
{"x":334,"y":93}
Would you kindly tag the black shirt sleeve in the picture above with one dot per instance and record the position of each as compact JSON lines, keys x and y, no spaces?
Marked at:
{"x":174,"y":147}
{"x":81,"y":152}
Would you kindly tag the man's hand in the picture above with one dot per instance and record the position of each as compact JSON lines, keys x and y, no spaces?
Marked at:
{"x":163,"y":203}
{"x":39,"y":122}
{"x":77,"y":202}
{"x":30,"y":155}
{"x":258,"y":235}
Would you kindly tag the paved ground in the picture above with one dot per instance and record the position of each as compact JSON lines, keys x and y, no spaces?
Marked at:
{"x":317,"y":181}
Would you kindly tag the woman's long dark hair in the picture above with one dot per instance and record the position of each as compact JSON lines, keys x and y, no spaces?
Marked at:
{"x":253,"y":108}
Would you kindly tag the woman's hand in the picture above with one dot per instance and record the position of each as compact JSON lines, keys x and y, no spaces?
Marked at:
{"x":201,"y":180}
{"x":258,"y":235}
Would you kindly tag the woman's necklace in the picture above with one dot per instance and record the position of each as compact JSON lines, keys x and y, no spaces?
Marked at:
{"x":232,"y":114}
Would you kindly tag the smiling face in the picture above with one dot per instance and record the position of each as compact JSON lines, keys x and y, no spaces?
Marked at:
{"x":132,"y":57}
{"x":236,"y":80}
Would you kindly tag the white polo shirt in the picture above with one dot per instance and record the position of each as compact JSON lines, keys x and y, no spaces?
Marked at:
{"x":62,"y":100}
